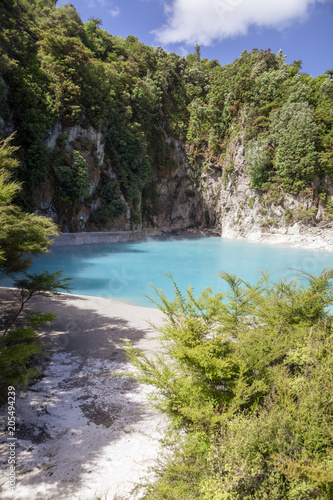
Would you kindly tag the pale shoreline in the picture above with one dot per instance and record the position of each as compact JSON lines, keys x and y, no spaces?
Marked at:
{"x":82,"y":433}
{"x":322,"y":241}
{"x":295,"y":236}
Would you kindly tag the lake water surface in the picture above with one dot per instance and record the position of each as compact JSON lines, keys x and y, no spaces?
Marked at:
{"x":122,"y":271}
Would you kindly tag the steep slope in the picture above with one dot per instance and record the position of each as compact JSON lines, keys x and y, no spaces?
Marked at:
{"x":115,"y":135}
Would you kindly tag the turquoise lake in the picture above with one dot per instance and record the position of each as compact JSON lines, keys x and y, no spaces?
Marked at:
{"x":122,"y":271}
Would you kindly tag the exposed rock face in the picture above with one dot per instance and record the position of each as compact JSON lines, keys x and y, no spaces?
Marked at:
{"x":249,"y":213}
{"x":216,"y":194}
{"x":83,"y":140}
{"x":177,"y":200}
{"x":43,"y":201}
{"x":221,"y":197}
{"x":77,"y":135}
{"x":185,"y":200}
{"x":91,"y":144}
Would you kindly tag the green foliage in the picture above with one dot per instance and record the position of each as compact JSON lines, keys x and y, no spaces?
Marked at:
{"x":56,"y":68}
{"x":20,"y":345}
{"x":44,"y":284}
{"x":247,"y":373}
{"x":295,"y":134}
{"x":112,"y":206}
{"x":251,"y":202}
{"x":21,"y":235}
{"x":17,"y":350}
{"x":259,"y":160}
{"x":130,"y":161}
{"x":149,"y":203}
{"x":74,"y":180}
{"x":325,"y":201}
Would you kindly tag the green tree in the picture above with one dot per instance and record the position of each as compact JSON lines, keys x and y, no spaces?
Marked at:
{"x":259,"y":160}
{"x":74,"y":179}
{"x":295,"y":133}
{"x":22,"y":235}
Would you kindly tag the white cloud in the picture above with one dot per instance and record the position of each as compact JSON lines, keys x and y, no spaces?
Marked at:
{"x":115,"y":12}
{"x":204,"y":21}
{"x":96,"y":3}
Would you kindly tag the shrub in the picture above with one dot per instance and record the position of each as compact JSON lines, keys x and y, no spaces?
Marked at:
{"x":247,"y":373}
{"x":73,"y":180}
{"x":295,"y":134}
{"x":259,"y":160}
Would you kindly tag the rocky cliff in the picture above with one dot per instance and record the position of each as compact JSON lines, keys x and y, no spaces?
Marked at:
{"x":253,"y":214}
{"x":216,"y":194}
{"x":184,"y":198}
{"x":90,"y":143}
{"x":189,"y":197}
{"x":114,"y":135}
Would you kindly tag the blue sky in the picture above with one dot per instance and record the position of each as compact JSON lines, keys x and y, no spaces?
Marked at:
{"x":303,"y":29}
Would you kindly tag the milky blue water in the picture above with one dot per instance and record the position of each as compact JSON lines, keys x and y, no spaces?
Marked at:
{"x":122,"y":271}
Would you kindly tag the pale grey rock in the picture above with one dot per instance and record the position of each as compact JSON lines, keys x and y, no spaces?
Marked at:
{"x":250,"y":214}
{"x":295,"y":229}
{"x":54,"y":135}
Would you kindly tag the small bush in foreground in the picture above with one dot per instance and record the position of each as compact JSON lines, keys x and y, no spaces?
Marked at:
{"x":17,"y":352}
{"x":19,"y":342}
{"x":248,"y":374}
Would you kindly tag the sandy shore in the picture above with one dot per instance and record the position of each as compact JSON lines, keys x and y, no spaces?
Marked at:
{"x":312,"y":240}
{"x":82,"y":433}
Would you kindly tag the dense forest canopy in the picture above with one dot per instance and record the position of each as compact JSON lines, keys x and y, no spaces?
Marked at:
{"x":56,"y":69}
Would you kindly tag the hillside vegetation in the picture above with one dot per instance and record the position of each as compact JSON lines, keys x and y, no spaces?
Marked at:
{"x":57,"y":71}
